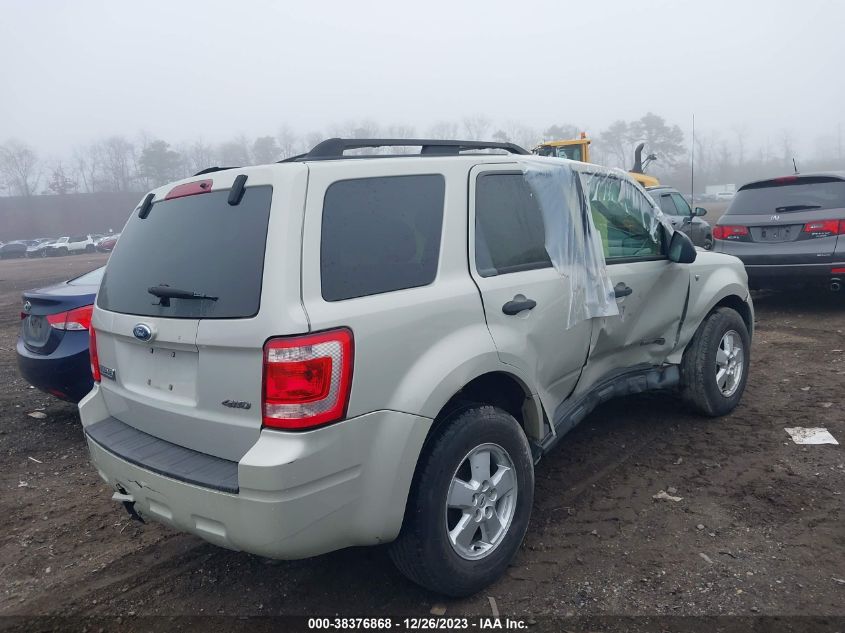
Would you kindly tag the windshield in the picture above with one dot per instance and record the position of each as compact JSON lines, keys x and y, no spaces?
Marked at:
{"x":198,"y":244}
{"x":789,"y":194}
{"x":572,"y":152}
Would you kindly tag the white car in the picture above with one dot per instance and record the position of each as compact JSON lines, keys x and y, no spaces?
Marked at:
{"x":351,"y":350}
{"x":71,"y":245}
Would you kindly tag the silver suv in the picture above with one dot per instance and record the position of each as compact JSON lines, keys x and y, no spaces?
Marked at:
{"x":343,"y":350}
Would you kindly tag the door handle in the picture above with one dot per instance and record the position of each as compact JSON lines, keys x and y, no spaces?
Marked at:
{"x":515,"y":305}
{"x":622,"y":290}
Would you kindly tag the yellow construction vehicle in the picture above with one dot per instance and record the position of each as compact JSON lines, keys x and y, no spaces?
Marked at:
{"x":579,"y":149}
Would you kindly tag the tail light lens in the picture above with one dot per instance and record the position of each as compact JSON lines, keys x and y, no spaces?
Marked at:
{"x":825,"y":228}
{"x":727,"y":232}
{"x":77,"y":319}
{"x":92,"y":352}
{"x":307,"y":379}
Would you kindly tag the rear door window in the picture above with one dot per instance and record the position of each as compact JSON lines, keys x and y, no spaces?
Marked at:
{"x":681,"y":204}
{"x":792,"y":193}
{"x":380,"y":235}
{"x":199,"y":244}
{"x":509,"y":231}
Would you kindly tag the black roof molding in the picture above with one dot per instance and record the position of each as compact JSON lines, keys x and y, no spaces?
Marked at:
{"x":211,"y":170}
{"x":334,"y":148}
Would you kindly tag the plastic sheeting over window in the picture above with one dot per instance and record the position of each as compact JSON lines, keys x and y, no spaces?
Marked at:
{"x":621,"y":211}
{"x":572,"y":240}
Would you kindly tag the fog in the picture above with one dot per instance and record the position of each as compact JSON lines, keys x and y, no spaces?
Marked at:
{"x":73,"y":73}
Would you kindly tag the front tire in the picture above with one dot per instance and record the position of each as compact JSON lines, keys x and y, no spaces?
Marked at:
{"x":716,"y":363}
{"x":469,"y":505}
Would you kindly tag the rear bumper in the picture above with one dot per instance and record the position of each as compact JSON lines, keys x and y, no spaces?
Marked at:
{"x":793,"y":273}
{"x":298,"y":494}
{"x":65,"y":373}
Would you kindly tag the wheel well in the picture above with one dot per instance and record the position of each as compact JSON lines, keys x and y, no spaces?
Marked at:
{"x":734,"y":302}
{"x":498,"y":389}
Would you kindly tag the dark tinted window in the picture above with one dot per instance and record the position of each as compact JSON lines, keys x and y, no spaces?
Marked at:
{"x":667,"y":205}
{"x":509,"y":233}
{"x":380,"y":235}
{"x":681,"y":204}
{"x":197,"y":243}
{"x":789,"y":194}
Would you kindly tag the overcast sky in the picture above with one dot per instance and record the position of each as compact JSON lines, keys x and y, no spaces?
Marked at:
{"x":74,"y":71}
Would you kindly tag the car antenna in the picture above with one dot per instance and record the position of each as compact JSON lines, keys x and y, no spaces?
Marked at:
{"x":795,"y":165}
{"x":692,"y":165}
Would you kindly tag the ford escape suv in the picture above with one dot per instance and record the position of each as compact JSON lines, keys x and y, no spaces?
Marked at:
{"x":342,"y":350}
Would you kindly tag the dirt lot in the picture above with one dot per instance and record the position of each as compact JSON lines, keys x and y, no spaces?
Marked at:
{"x":759,"y":530}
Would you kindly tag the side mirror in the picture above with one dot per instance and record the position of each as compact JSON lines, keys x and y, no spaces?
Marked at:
{"x":699,"y":211}
{"x":681,"y":249}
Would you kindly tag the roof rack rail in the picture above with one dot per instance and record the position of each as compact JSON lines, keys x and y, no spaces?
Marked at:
{"x":334,"y":147}
{"x":210,"y":170}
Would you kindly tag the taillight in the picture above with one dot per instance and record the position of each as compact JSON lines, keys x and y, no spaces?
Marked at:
{"x":727,"y":232}
{"x":92,"y":354}
{"x":77,"y":319}
{"x":307,"y":379}
{"x":825,"y":228}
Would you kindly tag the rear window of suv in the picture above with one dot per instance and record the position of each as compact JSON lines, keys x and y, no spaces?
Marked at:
{"x":380,"y":234}
{"x":199,"y":244}
{"x":784,"y":195}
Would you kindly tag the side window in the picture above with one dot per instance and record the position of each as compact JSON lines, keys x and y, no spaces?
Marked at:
{"x":683,"y":207}
{"x":624,"y":218}
{"x":380,"y":235}
{"x":667,"y":205}
{"x":509,"y":235}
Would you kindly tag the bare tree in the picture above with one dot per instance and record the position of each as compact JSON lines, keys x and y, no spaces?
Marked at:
{"x":59,"y":182}
{"x":289,"y":142}
{"x":19,"y":167}
{"x":443,"y":130}
{"x":198,"y":155}
{"x":118,"y":163}
{"x":476,"y":127}
{"x":235,"y":153}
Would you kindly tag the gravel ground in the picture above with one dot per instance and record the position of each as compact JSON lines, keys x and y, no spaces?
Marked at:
{"x":758,"y":530}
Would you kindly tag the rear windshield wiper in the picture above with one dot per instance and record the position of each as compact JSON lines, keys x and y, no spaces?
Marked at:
{"x":165,"y":293}
{"x":799,"y":207}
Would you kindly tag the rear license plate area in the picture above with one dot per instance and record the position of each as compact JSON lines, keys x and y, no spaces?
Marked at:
{"x":159,"y":372}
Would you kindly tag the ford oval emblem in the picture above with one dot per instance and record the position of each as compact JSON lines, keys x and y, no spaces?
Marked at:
{"x":142,"y":332}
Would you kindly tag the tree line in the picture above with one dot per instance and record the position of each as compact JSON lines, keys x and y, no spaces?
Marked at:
{"x":118,"y":163}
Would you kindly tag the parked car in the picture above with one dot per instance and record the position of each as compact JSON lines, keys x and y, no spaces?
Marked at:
{"x":71,"y":246}
{"x":323,"y":353}
{"x":682,"y":217}
{"x":39,"y":248}
{"x":11,"y":250}
{"x":106,"y":244}
{"x":725,"y":196}
{"x":53,"y":346}
{"x":788,"y":230}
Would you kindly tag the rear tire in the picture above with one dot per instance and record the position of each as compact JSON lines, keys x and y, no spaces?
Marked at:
{"x":62,"y":252}
{"x":716,"y":362}
{"x":90,"y":248}
{"x":463,"y":525}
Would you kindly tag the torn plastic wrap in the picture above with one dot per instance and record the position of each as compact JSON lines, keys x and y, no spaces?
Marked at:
{"x":573,"y":244}
{"x":615,"y":186}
